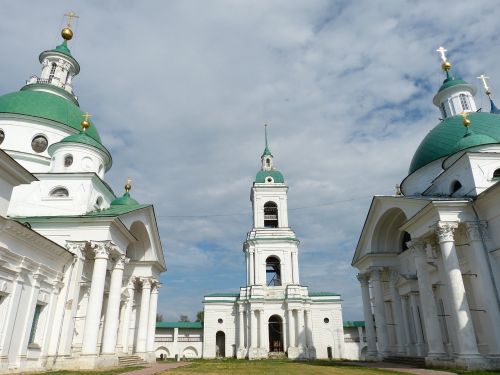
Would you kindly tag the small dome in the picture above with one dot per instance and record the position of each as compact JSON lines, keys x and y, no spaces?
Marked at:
{"x":63,"y":48}
{"x":125,"y":200}
{"x":442,"y":140}
{"x":450,"y":81}
{"x":472,"y":139}
{"x":276,"y":175}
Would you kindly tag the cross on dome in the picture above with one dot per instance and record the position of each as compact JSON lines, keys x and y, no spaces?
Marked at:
{"x":484,"y":79}
{"x":70,"y":16}
{"x":442,"y":51}
{"x":85,"y":123}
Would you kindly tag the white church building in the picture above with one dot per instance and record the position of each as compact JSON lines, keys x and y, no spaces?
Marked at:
{"x":429,"y":256}
{"x":273,"y":315}
{"x":79,"y":267}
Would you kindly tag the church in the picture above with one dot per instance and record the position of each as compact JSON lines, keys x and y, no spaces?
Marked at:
{"x":429,"y":256}
{"x":79,"y":266}
{"x":273,"y":315}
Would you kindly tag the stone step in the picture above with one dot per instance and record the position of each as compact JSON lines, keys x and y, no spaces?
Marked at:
{"x":131,"y":360}
{"x":414,"y":361}
{"x":276,"y":355}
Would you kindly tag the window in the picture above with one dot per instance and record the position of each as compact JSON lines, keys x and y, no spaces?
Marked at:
{"x":273,"y":271}
{"x":59,"y":192}
{"x":326,"y":320}
{"x":269,"y":179}
{"x":52,"y":71}
{"x":496,"y":174}
{"x":270,"y":215}
{"x":39,"y":143}
{"x":268,"y":162}
{"x":455,"y":186}
{"x":2,"y":136}
{"x":443,"y":110}
{"x":406,"y":238}
{"x":464,"y":101}
{"x":68,"y":160}
{"x":98,"y":202}
{"x":38,"y":310}
{"x":220,"y":321}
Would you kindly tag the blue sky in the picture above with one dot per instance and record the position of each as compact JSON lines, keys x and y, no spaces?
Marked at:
{"x":180,"y":90}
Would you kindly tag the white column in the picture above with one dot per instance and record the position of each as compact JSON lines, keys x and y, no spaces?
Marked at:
{"x":127,"y":315}
{"x":261,"y":329}
{"x":416,"y":323}
{"x":241,"y":328}
{"x":252,"y":268}
{"x":427,"y":301}
{"x":142,"y":330}
{"x":295,"y":267}
{"x":380,"y":321}
{"x":404,"y":309}
{"x":475,"y":232}
{"x":153,"y":307}
{"x":309,"y":329}
{"x":291,"y":328}
{"x":247,"y":266}
{"x":397,"y":309}
{"x":301,"y":329}
{"x":94,"y":307}
{"x":253,"y":329}
{"x":113,"y":310}
{"x":368,"y":316}
{"x":466,"y":337}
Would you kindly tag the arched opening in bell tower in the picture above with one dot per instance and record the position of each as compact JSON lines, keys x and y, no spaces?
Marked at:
{"x":275,"y":334}
{"x":273,"y":271}
{"x":270,"y":215}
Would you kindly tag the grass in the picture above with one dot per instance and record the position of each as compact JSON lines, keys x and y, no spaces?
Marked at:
{"x":274,"y":367}
{"x":121,"y":370}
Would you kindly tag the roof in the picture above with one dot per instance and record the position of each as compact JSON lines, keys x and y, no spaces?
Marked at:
{"x":354,"y":323}
{"x":276,"y":175}
{"x":125,"y":200}
{"x":46,"y":105}
{"x":63,"y":48}
{"x":450,"y":81}
{"x":441,"y":140}
{"x":83,"y":138}
{"x":267,"y":152}
{"x":322,"y":294}
{"x":471,"y":139}
{"x":196,"y":325}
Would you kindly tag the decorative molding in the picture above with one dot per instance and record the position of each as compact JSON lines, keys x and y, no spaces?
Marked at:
{"x":120,"y":262}
{"x":445,"y":230}
{"x":100,"y":249}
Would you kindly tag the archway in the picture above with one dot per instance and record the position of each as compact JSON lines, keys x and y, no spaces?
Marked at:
{"x":273,"y":271}
{"x":275,"y":334}
{"x":220,"y":344}
{"x":387,"y":238}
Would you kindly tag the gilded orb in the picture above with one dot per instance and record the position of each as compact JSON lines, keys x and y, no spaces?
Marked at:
{"x":446,"y":66}
{"x":466,"y":122}
{"x":85,"y":124}
{"x":67,"y":33}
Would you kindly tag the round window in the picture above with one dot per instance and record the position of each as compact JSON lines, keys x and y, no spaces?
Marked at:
{"x":39,"y":143}
{"x":68,"y":160}
{"x":269,"y":179}
{"x":220,"y":321}
{"x":326,"y":320}
{"x":2,"y":136}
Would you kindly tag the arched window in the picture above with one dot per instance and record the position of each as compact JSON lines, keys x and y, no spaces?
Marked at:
{"x":270,"y":215}
{"x":52,"y":71}
{"x":68,"y":160}
{"x":496,"y":174}
{"x":443,"y":110}
{"x":464,"y":101}
{"x":455,"y":186}
{"x":273,"y":271}
{"x":59,"y":192}
{"x":268,"y":162}
{"x":406,"y":238}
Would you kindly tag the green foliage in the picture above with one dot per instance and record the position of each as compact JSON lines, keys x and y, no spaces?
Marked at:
{"x":159,"y":318}
{"x":184,"y":318}
{"x":200,"y":315}
{"x":121,"y":370}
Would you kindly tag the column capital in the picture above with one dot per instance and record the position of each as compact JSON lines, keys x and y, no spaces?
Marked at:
{"x":363,"y":278}
{"x":120,"y":261}
{"x":476,"y":230}
{"x":146,"y":283}
{"x":444,"y":230}
{"x":76,"y":247}
{"x":393,"y":275}
{"x":418,"y":247}
{"x":375,"y":273}
{"x":155,"y":287}
{"x":100,"y":249}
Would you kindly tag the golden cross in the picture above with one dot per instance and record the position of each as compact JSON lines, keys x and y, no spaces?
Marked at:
{"x":70,"y":16}
{"x":86,"y":116}
{"x":483,"y":78}
{"x":441,"y":50}
{"x":128,"y":185}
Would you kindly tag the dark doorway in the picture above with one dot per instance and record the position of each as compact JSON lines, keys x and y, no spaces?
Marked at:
{"x":220,"y":344}
{"x":275,"y":334}
{"x":329,"y":351}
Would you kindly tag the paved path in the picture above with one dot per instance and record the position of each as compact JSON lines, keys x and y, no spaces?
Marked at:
{"x":157,"y":368}
{"x":402,"y":368}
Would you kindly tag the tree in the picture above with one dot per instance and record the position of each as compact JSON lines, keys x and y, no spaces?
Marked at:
{"x":159,"y":317}
{"x":184,"y":318}
{"x":200,"y":316}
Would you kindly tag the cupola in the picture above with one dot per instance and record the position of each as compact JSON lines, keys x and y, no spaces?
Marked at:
{"x":125,"y":199}
{"x":268,"y":174}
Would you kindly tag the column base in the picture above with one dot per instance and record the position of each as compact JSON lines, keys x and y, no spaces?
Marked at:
{"x":311,"y":352}
{"x":241,"y":353}
{"x":372,"y":356}
{"x":468,"y":362}
{"x":257,"y":353}
{"x":293,"y":352}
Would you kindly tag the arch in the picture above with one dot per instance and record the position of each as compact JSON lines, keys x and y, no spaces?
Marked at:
{"x":190,"y":352}
{"x":496,"y":173}
{"x":59,"y":192}
{"x":363,"y":353}
{"x":270,"y":215}
{"x":162,"y":350}
{"x":275,"y":333}
{"x":220,"y":344}
{"x":387,"y":238}
{"x":455,"y":186}
{"x":273,"y":271}
{"x":141,"y":249}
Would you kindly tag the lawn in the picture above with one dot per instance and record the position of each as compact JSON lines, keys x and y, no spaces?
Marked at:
{"x":274,"y":367}
{"x":121,"y":370}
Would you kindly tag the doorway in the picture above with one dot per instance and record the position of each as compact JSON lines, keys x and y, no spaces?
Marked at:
{"x":275,"y":334}
{"x":220,"y":344}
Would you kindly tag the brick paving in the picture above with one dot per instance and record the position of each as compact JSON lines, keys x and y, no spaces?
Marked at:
{"x":157,"y":368}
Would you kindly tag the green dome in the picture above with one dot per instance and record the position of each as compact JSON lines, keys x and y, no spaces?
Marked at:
{"x":125,"y":200}
{"x":83,"y":138}
{"x":449,"y":82}
{"x":276,"y":175}
{"x":471,"y":139}
{"x":45,"y":105}
{"x":63,"y":48}
{"x":444,"y":138}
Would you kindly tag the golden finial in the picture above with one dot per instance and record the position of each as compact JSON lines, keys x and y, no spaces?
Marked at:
{"x":67,"y":33}
{"x":128,"y":185}
{"x":465,"y":115}
{"x":446,"y":65}
{"x":483,"y":78}
{"x":85,"y":123}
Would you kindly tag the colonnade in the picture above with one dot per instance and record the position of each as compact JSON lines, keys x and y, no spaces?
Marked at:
{"x":415,"y":315}
{"x":105,"y":251}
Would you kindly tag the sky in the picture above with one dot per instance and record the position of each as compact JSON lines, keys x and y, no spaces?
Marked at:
{"x":180,"y":90}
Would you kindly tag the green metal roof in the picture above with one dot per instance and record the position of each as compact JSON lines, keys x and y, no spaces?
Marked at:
{"x":125,"y":200}
{"x":276,"y":175}
{"x":267,"y":152}
{"x":441,"y":140}
{"x":198,"y":325}
{"x":471,"y":139}
{"x":63,"y":48}
{"x":354,"y":323}
{"x":322,"y":294}
{"x":45,"y":105}
{"x":83,"y":138}
{"x":449,"y":82}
